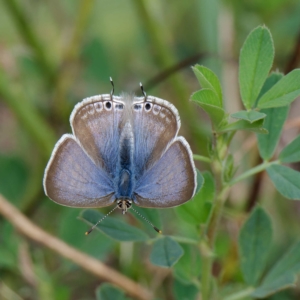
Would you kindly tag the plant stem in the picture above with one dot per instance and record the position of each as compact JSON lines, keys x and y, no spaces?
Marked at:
{"x":253,"y":171}
{"x":28,"y":116}
{"x":215,"y":216}
{"x":23,"y":24}
{"x":240,"y":295}
{"x":202,"y":158}
{"x":185,"y":240}
{"x":210,"y":236}
{"x":68,"y":68}
{"x":207,"y":259}
{"x":88,"y":263}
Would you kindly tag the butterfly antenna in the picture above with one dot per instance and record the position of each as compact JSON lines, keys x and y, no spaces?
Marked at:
{"x":144,"y":93}
{"x":155,"y":228}
{"x":94,"y":226}
{"x":113,"y":87}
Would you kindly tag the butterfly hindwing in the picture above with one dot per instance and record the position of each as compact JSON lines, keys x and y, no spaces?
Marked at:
{"x":72,"y":178}
{"x":172,"y":179}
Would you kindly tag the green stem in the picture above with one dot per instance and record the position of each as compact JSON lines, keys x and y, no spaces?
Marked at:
{"x":240,"y":295}
{"x":207,"y":260}
{"x":163,"y":55}
{"x":68,"y":65}
{"x":221,"y":147}
{"x":230,"y":137}
{"x":253,"y":171}
{"x":215,"y":216}
{"x":26,"y":31}
{"x":28,"y":116}
{"x":206,"y":265}
{"x":83,"y":15}
{"x":185,"y":240}
{"x":202,"y":158}
{"x":179,"y":239}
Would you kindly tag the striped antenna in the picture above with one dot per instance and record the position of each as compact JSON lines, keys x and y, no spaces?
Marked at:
{"x":143,"y":91}
{"x":113,"y":87}
{"x":94,"y":226}
{"x":155,"y":228}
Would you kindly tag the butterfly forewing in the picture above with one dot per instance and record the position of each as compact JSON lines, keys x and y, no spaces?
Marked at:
{"x":96,"y":123}
{"x":155,"y":124}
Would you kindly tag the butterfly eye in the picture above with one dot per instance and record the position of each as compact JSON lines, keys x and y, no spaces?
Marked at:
{"x":148,"y":106}
{"x":108,"y":105}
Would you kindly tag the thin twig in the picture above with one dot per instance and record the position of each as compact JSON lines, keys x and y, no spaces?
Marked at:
{"x":90,"y":264}
{"x":169,"y":71}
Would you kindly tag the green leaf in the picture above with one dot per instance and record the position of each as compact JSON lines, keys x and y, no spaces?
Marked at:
{"x":150,"y":214}
{"x":288,"y":264}
{"x":184,"y":291}
{"x":165,"y":252}
{"x":197,"y":210}
{"x":291,"y":153}
{"x":275,"y":286}
{"x":256,"y":59}
{"x":250,"y":116}
{"x":114,"y":228}
{"x":13,"y":178}
{"x":283,"y":92}
{"x":282,"y":275}
{"x":200,"y":181}
{"x":274,"y":124}
{"x":9,"y":250}
{"x":188,"y":268}
{"x":271,"y":80}
{"x":254,"y":243}
{"x":244,"y":125}
{"x":206,"y":96}
{"x":108,"y":291}
{"x":71,"y":230}
{"x":286,"y":181}
{"x":208,"y":101}
{"x":209,"y":80}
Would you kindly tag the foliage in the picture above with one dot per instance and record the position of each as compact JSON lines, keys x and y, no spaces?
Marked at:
{"x":251,"y":254}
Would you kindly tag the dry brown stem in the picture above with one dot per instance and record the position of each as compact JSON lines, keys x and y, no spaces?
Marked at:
{"x":90,"y":264}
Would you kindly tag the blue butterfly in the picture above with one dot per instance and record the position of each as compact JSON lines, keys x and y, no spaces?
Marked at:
{"x":124,"y":150}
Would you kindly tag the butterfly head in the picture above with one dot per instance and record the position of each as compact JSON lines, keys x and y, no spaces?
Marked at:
{"x":124,"y":204}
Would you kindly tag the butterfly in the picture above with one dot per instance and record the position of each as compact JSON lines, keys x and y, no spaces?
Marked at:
{"x":124,"y":150}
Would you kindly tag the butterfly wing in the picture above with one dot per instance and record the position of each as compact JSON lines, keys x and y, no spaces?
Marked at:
{"x":156,"y":123}
{"x":72,"y":178}
{"x":96,"y":123}
{"x":171,"y":181}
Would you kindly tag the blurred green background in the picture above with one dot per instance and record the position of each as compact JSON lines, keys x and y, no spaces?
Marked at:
{"x":55,"y":53}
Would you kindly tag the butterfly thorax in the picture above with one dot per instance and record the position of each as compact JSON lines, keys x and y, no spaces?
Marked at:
{"x":125,"y":172}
